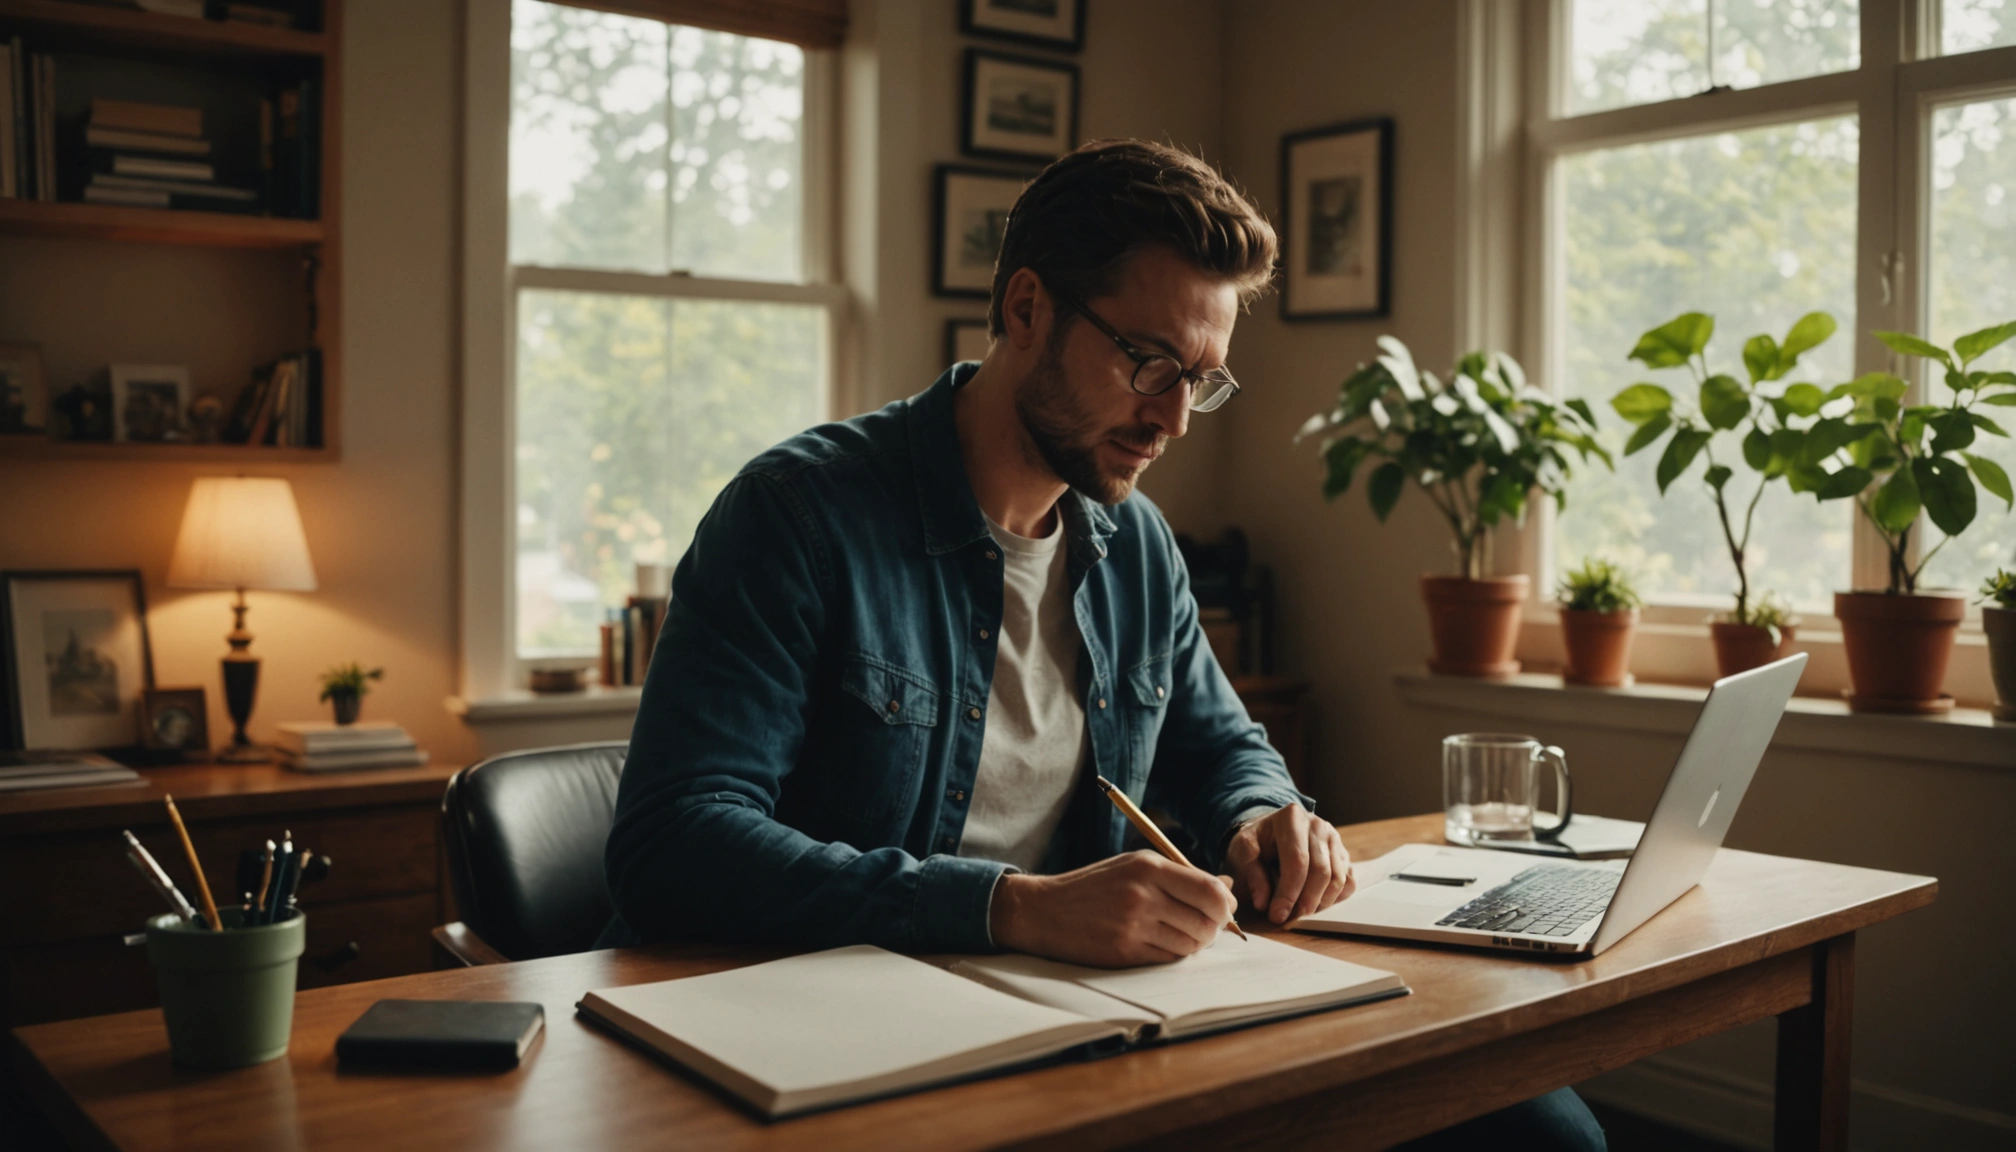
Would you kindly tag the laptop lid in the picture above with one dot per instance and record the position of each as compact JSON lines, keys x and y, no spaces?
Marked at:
{"x":1702,"y":794}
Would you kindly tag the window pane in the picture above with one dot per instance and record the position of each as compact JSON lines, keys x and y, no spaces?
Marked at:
{"x":1769,"y":41}
{"x":1755,"y":228}
{"x":1972,"y":277}
{"x":645,"y":147}
{"x":1970,"y":25}
{"x":632,"y":414}
{"x":1626,"y":52}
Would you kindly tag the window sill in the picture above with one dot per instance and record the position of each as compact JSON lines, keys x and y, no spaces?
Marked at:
{"x":1967,"y":736}
{"x":522,"y":705}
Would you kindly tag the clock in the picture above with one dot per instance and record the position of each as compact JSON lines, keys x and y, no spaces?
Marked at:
{"x":176,"y":720}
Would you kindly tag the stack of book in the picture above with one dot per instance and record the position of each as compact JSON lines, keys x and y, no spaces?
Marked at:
{"x":319,"y":746}
{"x":628,"y":638}
{"x":154,"y":156}
{"x":282,"y":406}
{"x":22,"y":771}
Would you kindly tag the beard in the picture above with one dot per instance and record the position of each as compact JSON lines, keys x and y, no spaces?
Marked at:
{"x":1067,"y":436}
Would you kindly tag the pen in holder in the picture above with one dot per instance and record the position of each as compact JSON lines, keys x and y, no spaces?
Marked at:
{"x":228,"y":996}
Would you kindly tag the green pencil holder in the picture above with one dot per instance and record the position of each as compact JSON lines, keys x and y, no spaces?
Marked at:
{"x":228,"y":996}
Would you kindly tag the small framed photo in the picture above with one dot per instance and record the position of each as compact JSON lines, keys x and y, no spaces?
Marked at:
{"x":1018,"y":107}
{"x":966,"y":340}
{"x":970,"y":213}
{"x":175,"y":720}
{"x":148,"y":401}
{"x":1055,"y":24}
{"x":1337,"y":198}
{"x":76,"y":657}
{"x":24,"y":392}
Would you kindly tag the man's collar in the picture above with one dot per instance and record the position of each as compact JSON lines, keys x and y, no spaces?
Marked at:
{"x":945,"y":501}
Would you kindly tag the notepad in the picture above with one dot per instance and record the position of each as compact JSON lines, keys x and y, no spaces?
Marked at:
{"x":857,"y":1023}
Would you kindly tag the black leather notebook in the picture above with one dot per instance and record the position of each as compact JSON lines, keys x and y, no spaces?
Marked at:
{"x":441,"y":1034}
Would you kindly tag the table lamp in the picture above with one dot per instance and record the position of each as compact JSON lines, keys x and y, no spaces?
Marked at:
{"x":239,"y":533}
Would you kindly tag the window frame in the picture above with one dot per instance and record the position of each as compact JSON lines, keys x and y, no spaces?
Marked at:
{"x":492,"y":668}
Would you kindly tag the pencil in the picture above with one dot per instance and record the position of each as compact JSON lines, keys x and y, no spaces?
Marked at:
{"x":258,"y":902}
{"x":202,"y":885}
{"x":1147,"y":828}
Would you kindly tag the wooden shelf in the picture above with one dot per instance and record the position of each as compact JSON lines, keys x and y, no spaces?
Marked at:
{"x":102,"y":451}
{"x":60,"y":25}
{"x":154,"y":225}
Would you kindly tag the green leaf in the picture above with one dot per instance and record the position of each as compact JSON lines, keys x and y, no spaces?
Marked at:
{"x":1992,"y":477}
{"x":1724,"y":402}
{"x":1805,"y":479}
{"x":1971,"y":346}
{"x":1951,"y":431}
{"x":1687,"y":444}
{"x":1895,"y":505}
{"x":1384,"y":488}
{"x":1641,"y":402}
{"x":1757,"y":449}
{"x":1674,"y":342}
{"x":2001,"y":399}
{"x":1847,"y":482}
{"x":1804,"y":399}
{"x":1760,"y":357}
{"x":1341,"y":460}
{"x":1911,"y":345}
{"x":1987,"y":425}
{"x":1948,"y":492}
{"x":1884,"y":384}
{"x":1827,"y":437}
{"x":1810,"y":332}
{"x":1718,"y":475}
{"x":1873,"y":453}
{"x":1581,"y":408}
{"x":1647,"y":432}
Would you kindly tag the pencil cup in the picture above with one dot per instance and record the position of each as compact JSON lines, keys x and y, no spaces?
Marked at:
{"x":228,"y":996}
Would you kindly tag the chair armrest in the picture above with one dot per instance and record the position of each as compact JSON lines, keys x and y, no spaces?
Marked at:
{"x":457,"y":945}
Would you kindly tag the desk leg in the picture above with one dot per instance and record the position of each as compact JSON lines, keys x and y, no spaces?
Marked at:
{"x":1813,"y":1048}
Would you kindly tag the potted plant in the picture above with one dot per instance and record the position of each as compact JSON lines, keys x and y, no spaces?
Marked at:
{"x":1599,"y":612}
{"x":1477,"y":447}
{"x":344,"y":687}
{"x":1998,"y":620}
{"x":1764,"y":413}
{"x":1896,"y":460}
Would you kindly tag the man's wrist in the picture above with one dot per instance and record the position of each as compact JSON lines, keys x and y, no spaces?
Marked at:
{"x":1003,"y":905}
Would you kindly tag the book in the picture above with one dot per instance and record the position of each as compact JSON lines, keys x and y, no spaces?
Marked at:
{"x":9,"y":165}
{"x":165,"y":119}
{"x":856,"y":1023}
{"x":45,"y":127}
{"x":327,"y":736}
{"x":478,"y":1034}
{"x":177,"y":188}
{"x":38,"y":768}
{"x":98,"y":137}
{"x":352,"y":761}
{"x":121,"y":164}
{"x":137,"y":197}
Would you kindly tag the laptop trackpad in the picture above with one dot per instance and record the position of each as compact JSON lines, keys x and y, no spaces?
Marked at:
{"x":1417,"y":895}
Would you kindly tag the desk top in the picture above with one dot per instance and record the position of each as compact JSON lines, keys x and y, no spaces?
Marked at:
{"x":215,"y":791}
{"x":579,"y":1088}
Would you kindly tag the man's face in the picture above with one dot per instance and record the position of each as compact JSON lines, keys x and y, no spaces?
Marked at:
{"x":1092,"y":429}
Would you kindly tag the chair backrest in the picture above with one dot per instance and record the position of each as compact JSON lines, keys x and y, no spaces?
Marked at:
{"x":524,"y":833}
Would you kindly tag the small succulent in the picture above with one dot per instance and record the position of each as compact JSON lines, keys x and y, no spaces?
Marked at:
{"x":350,"y":679}
{"x":2000,"y":589}
{"x":1598,"y":586}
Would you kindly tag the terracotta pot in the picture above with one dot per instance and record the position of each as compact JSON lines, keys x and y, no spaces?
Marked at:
{"x":1741,"y":647}
{"x":1475,"y":623}
{"x":1599,"y":646}
{"x":2000,"y":625}
{"x":1898,"y":647}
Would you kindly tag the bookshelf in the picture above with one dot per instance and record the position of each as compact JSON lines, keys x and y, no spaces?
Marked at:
{"x":234,"y":56}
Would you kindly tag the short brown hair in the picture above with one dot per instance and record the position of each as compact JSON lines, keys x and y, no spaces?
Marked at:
{"x":1080,"y":220}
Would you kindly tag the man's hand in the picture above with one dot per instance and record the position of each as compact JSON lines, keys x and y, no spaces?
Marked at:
{"x":1289,"y":863}
{"x":1136,"y":908}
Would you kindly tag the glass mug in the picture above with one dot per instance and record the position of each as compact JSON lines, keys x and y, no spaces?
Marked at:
{"x":1491,"y":786}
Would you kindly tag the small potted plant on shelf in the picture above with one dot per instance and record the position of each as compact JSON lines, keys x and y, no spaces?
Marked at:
{"x":1896,"y":460}
{"x":1765,"y":413}
{"x":1599,"y":613}
{"x":1998,"y":620}
{"x":1477,"y":447}
{"x":344,"y":687}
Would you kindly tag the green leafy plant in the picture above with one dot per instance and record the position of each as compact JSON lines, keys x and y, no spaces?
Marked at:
{"x":1896,"y":459}
{"x":1598,"y":586}
{"x":1477,"y":446}
{"x":2000,"y":589}
{"x":348,"y":680}
{"x":1764,"y":412}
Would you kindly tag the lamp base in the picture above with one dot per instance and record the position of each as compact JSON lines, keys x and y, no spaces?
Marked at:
{"x":245,"y":754}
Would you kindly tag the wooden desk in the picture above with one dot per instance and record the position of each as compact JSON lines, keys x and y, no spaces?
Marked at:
{"x":1763,"y":936}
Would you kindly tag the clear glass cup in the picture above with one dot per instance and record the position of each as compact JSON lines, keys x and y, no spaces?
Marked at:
{"x":1491,"y":787}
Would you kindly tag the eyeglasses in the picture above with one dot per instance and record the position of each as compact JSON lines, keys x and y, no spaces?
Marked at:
{"x":1156,"y":373}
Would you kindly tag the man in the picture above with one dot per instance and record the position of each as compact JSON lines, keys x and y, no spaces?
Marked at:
{"x":900,"y":646}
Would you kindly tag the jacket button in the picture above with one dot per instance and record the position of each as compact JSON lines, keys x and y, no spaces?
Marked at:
{"x":1158,"y":692}
{"x":974,"y":713}
{"x":955,"y":794}
{"x":983,"y":633}
{"x":894,"y":706}
{"x":991,"y":555}
{"x":948,"y":843}
{"x":1102,"y":702}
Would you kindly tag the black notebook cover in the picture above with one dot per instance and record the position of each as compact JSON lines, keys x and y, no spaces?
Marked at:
{"x":441,"y":1034}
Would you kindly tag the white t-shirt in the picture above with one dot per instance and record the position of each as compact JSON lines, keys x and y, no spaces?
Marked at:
{"x":1035,"y":741}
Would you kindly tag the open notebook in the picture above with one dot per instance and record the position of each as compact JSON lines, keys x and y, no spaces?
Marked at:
{"x":855,"y":1023}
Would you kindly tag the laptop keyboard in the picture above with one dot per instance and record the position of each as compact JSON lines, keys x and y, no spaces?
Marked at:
{"x":1544,"y":900}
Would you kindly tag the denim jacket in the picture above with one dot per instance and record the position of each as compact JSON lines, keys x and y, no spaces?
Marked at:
{"x":804,"y":753}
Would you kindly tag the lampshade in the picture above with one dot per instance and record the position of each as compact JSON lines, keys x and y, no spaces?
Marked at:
{"x":242,"y":532}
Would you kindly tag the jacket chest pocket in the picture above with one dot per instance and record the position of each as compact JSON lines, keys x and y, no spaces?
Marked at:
{"x":1145,"y":693}
{"x":885,"y":720}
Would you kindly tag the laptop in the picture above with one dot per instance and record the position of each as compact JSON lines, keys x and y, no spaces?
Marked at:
{"x":1506,"y":900}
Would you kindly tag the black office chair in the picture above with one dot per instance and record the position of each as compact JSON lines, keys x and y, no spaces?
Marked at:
{"x":524,"y":833}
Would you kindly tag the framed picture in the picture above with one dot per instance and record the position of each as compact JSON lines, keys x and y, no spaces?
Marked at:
{"x":175,"y":720}
{"x":76,"y":658}
{"x":24,"y":393}
{"x":966,"y":340}
{"x":1018,"y":107}
{"x":1337,"y":198}
{"x":148,"y":401}
{"x":1058,"y":24}
{"x":970,"y":212}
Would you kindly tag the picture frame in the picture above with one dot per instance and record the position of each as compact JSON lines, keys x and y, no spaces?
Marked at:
{"x":966,"y":339}
{"x":24,"y":391}
{"x":1018,"y":107}
{"x":74,"y":647}
{"x":1055,"y":24}
{"x":175,"y":720}
{"x":1337,"y":213}
{"x":149,"y":402}
{"x":969,"y":213}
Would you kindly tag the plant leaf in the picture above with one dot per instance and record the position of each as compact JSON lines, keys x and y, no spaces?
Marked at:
{"x":1757,"y":449}
{"x":1911,"y":345}
{"x":1810,"y":332}
{"x":1672,"y":343}
{"x":1647,"y":432}
{"x":1724,"y":402}
{"x":1581,"y":408}
{"x":1948,"y":492}
{"x":1687,"y":444}
{"x":1992,"y":477}
{"x":1971,"y":346}
{"x":1895,"y":505}
{"x":1804,"y":399}
{"x":1384,"y":488}
{"x":1987,"y":425}
{"x":1849,"y":481}
{"x":1341,"y":460}
{"x":1399,"y":363}
{"x":1641,"y":402}
{"x":1760,"y":357}
{"x":1951,"y":431}
{"x":1718,"y":475}
{"x":2001,"y":399}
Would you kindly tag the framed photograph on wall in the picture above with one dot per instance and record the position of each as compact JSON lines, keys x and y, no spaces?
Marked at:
{"x":1337,"y":201}
{"x":148,"y":401}
{"x":1018,"y":107}
{"x":966,"y":340}
{"x":1055,"y":24}
{"x":969,"y":214}
{"x":75,"y":651}
{"x":24,"y":391}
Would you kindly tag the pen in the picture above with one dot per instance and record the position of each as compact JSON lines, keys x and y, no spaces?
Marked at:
{"x":258,"y":901}
{"x":1148,"y":829}
{"x":144,"y":861}
{"x":1451,"y":881}
{"x":195,"y":865}
{"x":283,"y":865}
